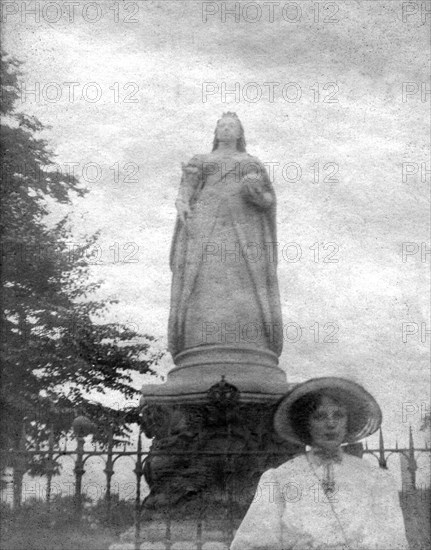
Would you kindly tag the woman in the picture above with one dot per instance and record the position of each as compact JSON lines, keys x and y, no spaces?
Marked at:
{"x":325,"y":499}
{"x":224,"y":281}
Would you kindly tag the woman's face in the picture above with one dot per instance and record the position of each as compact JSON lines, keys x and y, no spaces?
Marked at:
{"x":228,"y":129}
{"x":328,"y":425}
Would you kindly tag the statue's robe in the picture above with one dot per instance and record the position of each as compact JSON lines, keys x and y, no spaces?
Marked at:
{"x":224,"y":258}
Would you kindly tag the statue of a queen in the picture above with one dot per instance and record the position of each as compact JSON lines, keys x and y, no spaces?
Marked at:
{"x":223,"y":256}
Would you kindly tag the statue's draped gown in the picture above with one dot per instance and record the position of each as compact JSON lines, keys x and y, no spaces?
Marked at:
{"x":223,"y":259}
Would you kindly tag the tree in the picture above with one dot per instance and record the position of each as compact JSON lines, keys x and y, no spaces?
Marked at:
{"x":53,"y":349}
{"x":426,"y":422}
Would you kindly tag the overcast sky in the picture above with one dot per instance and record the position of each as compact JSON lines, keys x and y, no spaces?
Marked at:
{"x":337,"y":110}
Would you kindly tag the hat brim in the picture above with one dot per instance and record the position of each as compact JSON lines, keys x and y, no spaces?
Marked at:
{"x":361,"y":404}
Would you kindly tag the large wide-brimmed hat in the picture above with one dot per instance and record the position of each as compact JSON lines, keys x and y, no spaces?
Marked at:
{"x":364,"y":413}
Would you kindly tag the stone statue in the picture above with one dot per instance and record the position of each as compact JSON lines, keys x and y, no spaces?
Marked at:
{"x":211,"y":421}
{"x":223,"y":256}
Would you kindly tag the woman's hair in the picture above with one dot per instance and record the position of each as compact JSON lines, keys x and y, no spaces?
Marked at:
{"x":305,"y":406}
{"x":240,"y":142}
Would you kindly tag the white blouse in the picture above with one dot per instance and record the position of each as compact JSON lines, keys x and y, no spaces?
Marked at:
{"x":291,"y":511}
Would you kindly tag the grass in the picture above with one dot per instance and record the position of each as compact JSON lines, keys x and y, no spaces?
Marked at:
{"x":39,"y":527}
{"x":72,"y":538}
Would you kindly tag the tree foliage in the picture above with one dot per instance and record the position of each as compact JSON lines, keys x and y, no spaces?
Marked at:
{"x":426,"y":422}
{"x":53,"y":349}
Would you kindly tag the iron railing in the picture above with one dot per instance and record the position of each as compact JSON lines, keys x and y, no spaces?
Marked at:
{"x":21,"y":461}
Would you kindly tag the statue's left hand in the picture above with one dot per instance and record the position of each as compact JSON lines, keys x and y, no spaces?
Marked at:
{"x":254,"y":190}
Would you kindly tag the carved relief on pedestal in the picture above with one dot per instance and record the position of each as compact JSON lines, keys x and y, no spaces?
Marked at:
{"x":201,"y":453}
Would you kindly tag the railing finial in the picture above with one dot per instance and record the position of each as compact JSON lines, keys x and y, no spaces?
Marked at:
{"x":411,"y":444}
{"x":382,"y":458}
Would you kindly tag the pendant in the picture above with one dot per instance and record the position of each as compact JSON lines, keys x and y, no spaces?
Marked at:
{"x":328,"y":487}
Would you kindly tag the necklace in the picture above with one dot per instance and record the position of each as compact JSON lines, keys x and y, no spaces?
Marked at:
{"x":328,"y":482}
{"x":328,"y":489}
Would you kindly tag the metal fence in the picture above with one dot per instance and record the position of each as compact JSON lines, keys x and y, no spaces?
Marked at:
{"x":20,"y":461}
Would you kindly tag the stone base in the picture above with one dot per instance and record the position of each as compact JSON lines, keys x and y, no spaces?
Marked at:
{"x":180,"y":534}
{"x":186,"y":545}
{"x":206,"y":453}
{"x":163,"y":545}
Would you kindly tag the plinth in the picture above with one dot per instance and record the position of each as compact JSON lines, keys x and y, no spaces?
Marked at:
{"x":211,"y":425}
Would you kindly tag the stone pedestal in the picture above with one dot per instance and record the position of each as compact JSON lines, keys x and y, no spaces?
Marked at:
{"x":211,"y":425}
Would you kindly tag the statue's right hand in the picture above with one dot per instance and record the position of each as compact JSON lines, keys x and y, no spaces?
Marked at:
{"x":183,"y":210}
